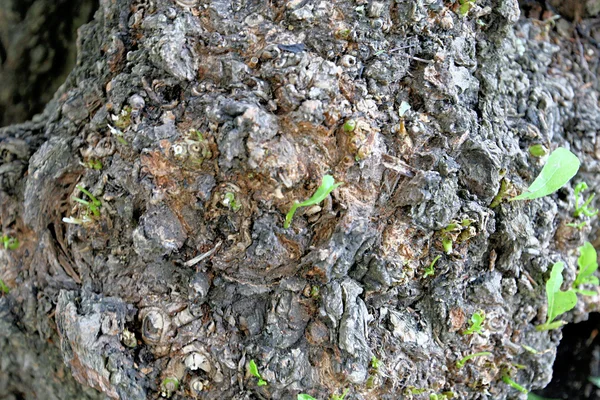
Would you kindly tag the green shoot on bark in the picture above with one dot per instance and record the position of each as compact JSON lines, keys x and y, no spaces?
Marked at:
{"x":583,"y":209}
{"x":304,"y":396}
{"x":342,"y":397}
{"x":461,"y":363}
{"x":559,"y":302}
{"x":375,"y":363}
{"x":538,"y":150}
{"x":561,"y":166}
{"x":9,"y":242}
{"x":476,"y":323}
{"x":92,"y":206}
{"x":327,"y":186}
{"x":253,"y":369}
{"x":506,"y":379}
{"x":3,"y":288}
{"x":465,"y":6}
{"x":578,"y":226}
{"x":430,"y":271}
{"x":588,"y":264}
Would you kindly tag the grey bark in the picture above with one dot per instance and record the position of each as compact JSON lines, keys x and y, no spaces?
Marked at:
{"x":210,"y":119}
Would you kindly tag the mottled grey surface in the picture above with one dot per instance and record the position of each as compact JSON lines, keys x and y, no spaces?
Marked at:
{"x":211,"y":118}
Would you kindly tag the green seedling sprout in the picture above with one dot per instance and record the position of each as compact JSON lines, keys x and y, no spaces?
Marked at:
{"x":538,"y":150}
{"x":579,"y":226}
{"x":583,"y":209}
{"x":304,"y":396}
{"x":529,"y":349}
{"x":342,"y":397}
{"x":230,"y":201}
{"x":4,"y":289}
{"x":588,"y":264}
{"x":169,"y":386}
{"x":476,"y":323}
{"x":327,"y":186}
{"x":375,"y":363}
{"x":506,"y":379}
{"x":349,"y":125}
{"x":9,"y":242}
{"x":461,"y":363}
{"x":93,"y":206}
{"x":94,"y":164}
{"x":443,"y":396}
{"x":253,"y":369}
{"x":561,"y":166}
{"x":559,"y":302}
{"x":465,"y":6}
{"x":447,"y":245}
{"x":430,"y":271}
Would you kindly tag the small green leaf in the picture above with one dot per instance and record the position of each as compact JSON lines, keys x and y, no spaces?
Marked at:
{"x":349,"y":125}
{"x":447,"y":245}
{"x":538,"y":150}
{"x":327,"y":186}
{"x":464,"y":8}
{"x":506,"y":379}
{"x":262,"y":382}
{"x":430,"y":271}
{"x":253,"y":369}
{"x":3,"y":288}
{"x":476,"y":323}
{"x":304,"y":396}
{"x":588,"y":264}
{"x":529,"y":349}
{"x":561,"y":166}
{"x":342,"y":397}
{"x":461,"y":363}
{"x":10,"y":243}
{"x":375,"y":362}
{"x":559,"y":302}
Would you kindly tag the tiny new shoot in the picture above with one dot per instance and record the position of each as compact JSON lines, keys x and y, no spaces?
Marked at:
{"x":304,"y":396}
{"x":430,"y":271}
{"x":559,"y":302}
{"x":465,"y":6}
{"x":588,"y":264}
{"x":253,"y":369}
{"x":583,"y":208}
{"x":9,"y":242}
{"x":341,"y":397}
{"x":3,"y":288}
{"x":476,"y":323}
{"x":506,"y":379}
{"x":375,"y":363}
{"x":461,"y":363}
{"x":561,"y":166}
{"x":327,"y":186}
{"x":93,"y":207}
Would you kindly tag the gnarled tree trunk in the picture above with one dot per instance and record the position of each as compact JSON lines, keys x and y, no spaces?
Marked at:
{"x":197,"y":124}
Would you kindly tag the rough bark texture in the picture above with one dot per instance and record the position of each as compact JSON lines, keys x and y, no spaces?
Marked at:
{"x":197,"y":125}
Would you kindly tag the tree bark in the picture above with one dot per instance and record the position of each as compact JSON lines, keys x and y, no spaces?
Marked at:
{"x":197,"y":125}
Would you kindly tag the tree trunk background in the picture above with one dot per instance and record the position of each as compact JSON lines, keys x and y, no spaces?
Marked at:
{"x":197,"y":124}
